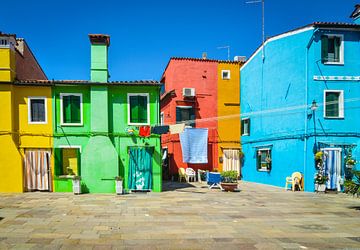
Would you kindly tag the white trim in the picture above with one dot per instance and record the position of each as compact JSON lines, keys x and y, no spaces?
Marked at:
{"x":61,"y":109}
{"x":162,"y":118}
{"x":274,"y":38}
{"x":70,"y":146}
{"x":341,"y":50}
{"x":184,"y":107}
{"x":246,"y":134}
{"x":147,"y":106}
{"x":29,"y":108}
{"x":222,"y":74}
{"x":341,"y":103}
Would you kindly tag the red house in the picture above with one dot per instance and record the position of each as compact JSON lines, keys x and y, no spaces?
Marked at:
{"x":190,"y":93}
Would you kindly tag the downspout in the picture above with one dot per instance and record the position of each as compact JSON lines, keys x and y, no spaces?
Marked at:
{"x":306,"y":101}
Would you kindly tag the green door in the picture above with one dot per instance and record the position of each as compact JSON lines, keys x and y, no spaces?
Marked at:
{"x":140,"y":168}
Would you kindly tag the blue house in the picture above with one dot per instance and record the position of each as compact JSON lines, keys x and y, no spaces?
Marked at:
{"x":300,"y":94}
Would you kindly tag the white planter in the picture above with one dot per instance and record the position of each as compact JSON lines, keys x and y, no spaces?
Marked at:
{"x":119,"y":186}
{"x":76,"y":186}
{"x":320,"y":187}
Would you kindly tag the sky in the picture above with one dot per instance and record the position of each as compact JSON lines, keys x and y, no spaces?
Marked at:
{"x":144,"y":34}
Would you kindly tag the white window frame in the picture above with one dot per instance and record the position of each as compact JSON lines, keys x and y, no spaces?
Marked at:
{"x":341,"y":50}
{"x":29,"y":109}
{"x":263,"y":169}
{"x":222,"y":74}
{"x":61,"y":109}
{"x":341,"y":104}
{"x":147,"y":107}
{"x":162,"y":117}
{"x":246,"y":134}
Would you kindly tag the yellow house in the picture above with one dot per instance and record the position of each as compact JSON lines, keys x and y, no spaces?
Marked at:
{"x":228,"y":105}
{"x":25,"y":120}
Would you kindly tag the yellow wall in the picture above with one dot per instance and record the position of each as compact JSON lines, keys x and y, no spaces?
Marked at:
{"x":7,"y":65}
{"x":229,"y":107}
{"x":10,"y":160}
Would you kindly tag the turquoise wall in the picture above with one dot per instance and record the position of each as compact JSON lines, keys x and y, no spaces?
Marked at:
{"x":276,"y":94}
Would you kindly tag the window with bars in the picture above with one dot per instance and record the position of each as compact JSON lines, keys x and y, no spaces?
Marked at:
{"x":334,"y":104}
{"x":138,"y":109}
{"x":37,"y":110}
{"x":332,"y":49}
{"x":71,"y":109}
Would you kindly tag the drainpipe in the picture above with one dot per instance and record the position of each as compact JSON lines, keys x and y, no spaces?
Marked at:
{"x":306,"y":101}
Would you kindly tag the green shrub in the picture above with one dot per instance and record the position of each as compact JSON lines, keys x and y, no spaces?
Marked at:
{"x":230,"y":176}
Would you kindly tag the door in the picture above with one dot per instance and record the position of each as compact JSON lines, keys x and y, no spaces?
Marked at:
{"x":140,"y":168}
{"x":333,"y":168}
{"x":37,"y":175}
{"x":231,"y":160}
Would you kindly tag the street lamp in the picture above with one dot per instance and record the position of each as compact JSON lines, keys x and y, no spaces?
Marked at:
{"x":314,"y":107}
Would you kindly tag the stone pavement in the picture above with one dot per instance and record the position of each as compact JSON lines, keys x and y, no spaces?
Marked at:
{"x":182,"y":217}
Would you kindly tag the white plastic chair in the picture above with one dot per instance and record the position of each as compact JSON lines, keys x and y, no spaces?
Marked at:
{"x":190,"y":174}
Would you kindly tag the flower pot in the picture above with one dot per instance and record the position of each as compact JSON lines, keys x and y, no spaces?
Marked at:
{"x":119,"y":186}
{"x":229,"y":186}
{"x":76,"y":186}
{"x":349,"y":166}
{"x":320,"y":187}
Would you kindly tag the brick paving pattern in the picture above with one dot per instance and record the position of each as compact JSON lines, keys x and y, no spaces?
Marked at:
{"x":182,"y":217}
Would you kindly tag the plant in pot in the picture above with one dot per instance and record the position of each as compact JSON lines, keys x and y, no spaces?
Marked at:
{"x":319,"y":159}
{"x":229,"y":180}
{"x":119,"y":185}
{"x":320,"y":182}
{"x":353,"y":186}
{"x":349,"y":161}
{"x":76,"y":183}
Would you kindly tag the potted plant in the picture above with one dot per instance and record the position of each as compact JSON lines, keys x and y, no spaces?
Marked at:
{"x":229,"y":180}
{"x":349,"y":161}
{"x":319,"y":159}
{"x":320,"y":182}
{"x":119,"y":184}
{"x":353,"y":186}
{"x":76,"y":183}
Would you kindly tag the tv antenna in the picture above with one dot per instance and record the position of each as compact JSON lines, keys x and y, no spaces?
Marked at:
{"x":228,"y":50}
{"x":263,"y":21}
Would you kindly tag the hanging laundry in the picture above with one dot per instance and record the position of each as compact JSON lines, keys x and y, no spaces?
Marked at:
{"x":144,"y":131}
{"x":194,"y":145}
{"x":177,"y":128}
{"x":159,"y":130}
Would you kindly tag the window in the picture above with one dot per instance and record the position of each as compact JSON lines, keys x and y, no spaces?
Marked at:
{"x":334,"y":104}
{"x":245,"y":126}
{"x":225,"y":74}
{"x":138,"y":111}
{"x":71,"y":109}
{"x":67,"y":160}
{"x":263,"y":159}
{"x":332,"y":49}
{"x":185,"y":114}
{"x":37,"y":110}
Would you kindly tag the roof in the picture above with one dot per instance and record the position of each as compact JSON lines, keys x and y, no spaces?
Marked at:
{"x":99,"y":39}
{"x":336,"y":25}
{"x":167,"y":94}
{"x":7,"y":35}
{"x":197,"y":60}
{"x":356,"y":12}
{"x":84,"y":82}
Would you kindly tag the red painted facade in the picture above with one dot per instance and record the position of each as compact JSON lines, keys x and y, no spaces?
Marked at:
{"x":201,"y":75}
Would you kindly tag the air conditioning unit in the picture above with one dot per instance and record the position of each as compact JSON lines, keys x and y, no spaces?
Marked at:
{"x":240,"y":58}
{"x":189,"y":92}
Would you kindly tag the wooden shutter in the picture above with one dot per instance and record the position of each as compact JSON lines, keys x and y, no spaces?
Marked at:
{"x":134,"y":109}
{"x":324,"y":49}
{"x":142,"y":109}
{"x":66,"y":109}
{"x":178,"y":115}
{"x":242,"y":126}
{"x":192,"y":117}
{"x":332,"y":104}
{"x":75,"y":109}
{"x":337,"y":42}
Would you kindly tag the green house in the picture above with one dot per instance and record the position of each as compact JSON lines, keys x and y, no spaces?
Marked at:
{"x":96,"y":129}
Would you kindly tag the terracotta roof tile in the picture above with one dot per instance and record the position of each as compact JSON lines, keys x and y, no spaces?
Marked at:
{"x":85,"y":82}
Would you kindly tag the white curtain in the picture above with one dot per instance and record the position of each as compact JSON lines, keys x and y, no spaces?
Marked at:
{"x":231,"y":160}
{"x":37,"y":170}
{"x":333,"y":168}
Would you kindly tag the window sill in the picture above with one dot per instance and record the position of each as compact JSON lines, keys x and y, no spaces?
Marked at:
{"x":66,"y":176}
{"x":37,"y":123}
{"x":138,"y":124}
{"x":263,"y":170}
{"x":71,"y":124}
{"x":333,"y":118}
{"x":334,"y":63}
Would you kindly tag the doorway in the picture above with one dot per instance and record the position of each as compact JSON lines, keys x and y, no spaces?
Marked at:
{"x":332,"y":167}
{"x":231,"y":160}
{"x":37,"y":175}
{"x":140,"y":168}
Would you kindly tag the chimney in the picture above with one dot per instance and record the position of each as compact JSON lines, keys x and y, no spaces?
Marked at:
{"x":356,"y":14}
{"x":99,"y":57}
{"x":204,"y":55}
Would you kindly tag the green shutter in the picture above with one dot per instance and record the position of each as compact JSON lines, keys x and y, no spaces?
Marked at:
{"x":134,"y":109}
{"x":242,"y":126}
{"x":142,"y":109}
{"x":178,"y":115}
{"x":192,"y":117}
{"x":324,"y":49}
{"x":75,"y":109}
{"x":66,"y":109}
{"x":337,"y":49}
{"x":248,"y":124}
{"x":332,"y":104}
